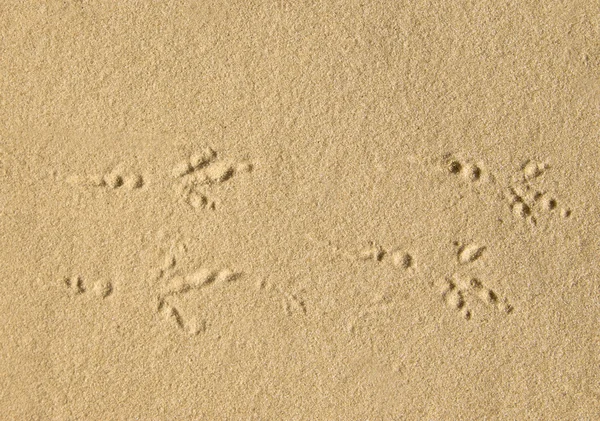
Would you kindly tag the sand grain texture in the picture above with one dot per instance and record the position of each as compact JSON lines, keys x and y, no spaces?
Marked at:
{"x":299,"y":210}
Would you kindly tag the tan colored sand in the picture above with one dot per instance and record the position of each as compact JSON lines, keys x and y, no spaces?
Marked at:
{"x":299,"y":210}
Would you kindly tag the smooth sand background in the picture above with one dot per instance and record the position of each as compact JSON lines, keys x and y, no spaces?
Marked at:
{"x":350,"y":114}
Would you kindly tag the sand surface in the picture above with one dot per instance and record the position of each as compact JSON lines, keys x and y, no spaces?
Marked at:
{"x":299,"y":210}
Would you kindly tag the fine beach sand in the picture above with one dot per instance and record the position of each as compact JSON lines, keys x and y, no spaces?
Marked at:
{"x":299,"y":210}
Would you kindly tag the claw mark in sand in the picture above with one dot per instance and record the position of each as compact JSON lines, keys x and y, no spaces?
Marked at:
{"x":469,"y":253}
{"x":292,"y":302}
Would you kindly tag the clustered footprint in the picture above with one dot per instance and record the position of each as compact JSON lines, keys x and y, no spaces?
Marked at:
{"x":526,"y":200}
{"x":78,"y":286}
{"x":455,"y":290}
{"x":199,"y":173}
{"x":176,"y":285}
{"x":197,"y":176}
{"x":180,"y":285}
{"x":455,"y":293}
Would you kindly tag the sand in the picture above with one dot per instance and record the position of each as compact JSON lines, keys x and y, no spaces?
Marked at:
{"x":299,"y":210}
